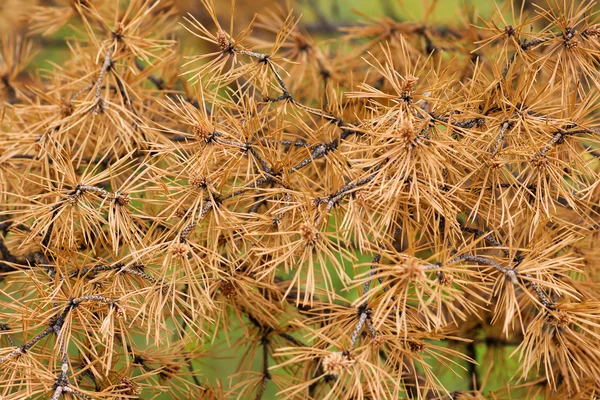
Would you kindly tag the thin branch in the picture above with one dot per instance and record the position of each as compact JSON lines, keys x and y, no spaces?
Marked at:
{"x":266,"y":375}
{"x":105,"y":68}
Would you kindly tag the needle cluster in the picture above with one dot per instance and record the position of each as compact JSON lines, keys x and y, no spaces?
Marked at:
{"x":354,"y":216}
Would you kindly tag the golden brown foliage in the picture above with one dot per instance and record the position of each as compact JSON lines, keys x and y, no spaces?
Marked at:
{"x":351,"y":215}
